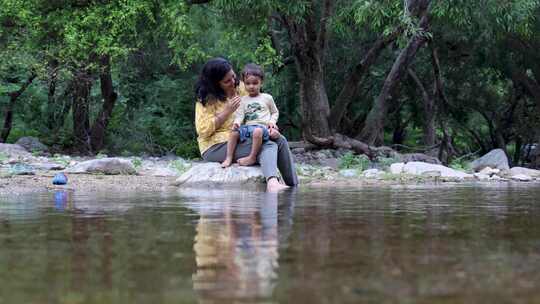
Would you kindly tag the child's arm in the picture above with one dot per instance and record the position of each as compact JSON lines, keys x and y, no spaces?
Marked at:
{"x":274,"y":113}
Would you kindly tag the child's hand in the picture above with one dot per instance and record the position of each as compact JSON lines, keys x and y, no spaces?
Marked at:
{"x":235,"y":126}
{"x":272,"y":125}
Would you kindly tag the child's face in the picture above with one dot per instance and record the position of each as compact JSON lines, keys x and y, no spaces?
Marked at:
{"x":253,"y":85}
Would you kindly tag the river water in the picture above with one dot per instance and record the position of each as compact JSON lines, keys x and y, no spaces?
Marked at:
{"x":398,"y":244}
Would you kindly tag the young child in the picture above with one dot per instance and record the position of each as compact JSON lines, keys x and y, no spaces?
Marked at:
{"x":255,"y":116}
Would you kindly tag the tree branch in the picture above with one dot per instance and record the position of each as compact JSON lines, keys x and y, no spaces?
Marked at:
{"x":350,"y":89}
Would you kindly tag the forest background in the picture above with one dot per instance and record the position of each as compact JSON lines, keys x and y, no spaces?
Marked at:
{"x":450,"y":78}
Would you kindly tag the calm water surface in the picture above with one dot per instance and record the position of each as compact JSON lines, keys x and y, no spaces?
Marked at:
{"x":414,"y":244}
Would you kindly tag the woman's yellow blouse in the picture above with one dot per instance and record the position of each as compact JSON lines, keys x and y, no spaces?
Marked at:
{"x":205,"y":123}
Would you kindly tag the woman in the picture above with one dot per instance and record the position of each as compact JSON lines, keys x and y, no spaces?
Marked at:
{"x":217,"y":98}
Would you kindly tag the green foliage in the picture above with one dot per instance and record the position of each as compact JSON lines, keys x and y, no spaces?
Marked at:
{"x":461,"y":165}
{"x":101,"y":155}
{"x":3,"y":157}
{"x":386,"y":162}
{"x":137,"y":162}
{"x":157,"y":49}
{"x":353,"y":161}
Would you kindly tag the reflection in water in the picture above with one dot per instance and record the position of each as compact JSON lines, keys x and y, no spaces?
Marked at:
{"x":413,"y":244}
{"x":236,"y":245}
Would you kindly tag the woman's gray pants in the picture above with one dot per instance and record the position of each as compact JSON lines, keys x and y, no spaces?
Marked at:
{"x":275,"y":154}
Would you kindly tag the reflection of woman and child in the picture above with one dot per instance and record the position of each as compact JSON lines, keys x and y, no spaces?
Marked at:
{"x":236,"y":122}
{"x":236,"y":245}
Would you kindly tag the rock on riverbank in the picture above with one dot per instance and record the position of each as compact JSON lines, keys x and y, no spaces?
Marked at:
{"x":21,"y":171}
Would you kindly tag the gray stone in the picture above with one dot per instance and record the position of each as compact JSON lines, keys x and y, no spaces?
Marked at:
{"x":32,"y":144}
{"x":13,"y":151}
{"x":524,"y":171}
{"x":418,"y":168}
{"x":48,"y":166}
{"x":21,"y":169}
{"x":434,"y":173}
{"x":522,"y":178}
{"x":348,"y":173}
{"x":482,"y":176}
{"x":330,"y":162}
{"x":494,"y":159}
{"x":109,"y":166}
{"x":489,"y":172}
{"x":372,"y":173}
{"x":211,"y":174}
{"x":160,"y":171}
{"x":396,"y":168}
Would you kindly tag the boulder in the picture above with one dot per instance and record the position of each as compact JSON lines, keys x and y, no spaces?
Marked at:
{"x":372,"y":173}
{"x":109,"y":166}
{"x":13,"y":151}
{"x":32,"y":144}
{"x":348,"y":173}
{"x":494,"y":159}
{"x":21,"y":169}
{"x":211,"y":174}
{"x":522,"y":178}
{"x":482,"y":176}
{"x":47,"y":166}
{"x":524,"y":171}
{"x":421,"y":168}
{"x":396,"y":168}
{"x":488,"y":171}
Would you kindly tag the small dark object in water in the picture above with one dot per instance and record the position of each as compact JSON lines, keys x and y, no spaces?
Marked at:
{"x":60,"y":179}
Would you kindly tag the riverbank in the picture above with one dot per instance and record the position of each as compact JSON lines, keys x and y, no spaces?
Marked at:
{"x":22,"y":172}
{"x":96,"y":183}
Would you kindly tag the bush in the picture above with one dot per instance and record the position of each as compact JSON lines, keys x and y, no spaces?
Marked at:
{"x":352,"y":161}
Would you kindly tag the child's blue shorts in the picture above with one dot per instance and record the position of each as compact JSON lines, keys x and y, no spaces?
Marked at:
{"x":247,"y":130}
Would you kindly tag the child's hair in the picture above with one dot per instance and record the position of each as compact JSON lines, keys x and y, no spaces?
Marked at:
{"x":252,"y":69}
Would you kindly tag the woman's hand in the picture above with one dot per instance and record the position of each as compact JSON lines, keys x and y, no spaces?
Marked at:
{"x":274,"y":133}
{"x":272,"y":125}
{"x":232,"y":104}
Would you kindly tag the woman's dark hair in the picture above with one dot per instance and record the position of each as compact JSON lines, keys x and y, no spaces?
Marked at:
{"x":208,"y":84}
{"x":252,"y":69}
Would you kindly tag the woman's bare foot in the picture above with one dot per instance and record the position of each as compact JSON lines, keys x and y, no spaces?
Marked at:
{"x":273,"y":185}
{"x":247,"y":161}
{"x":226,"y":163}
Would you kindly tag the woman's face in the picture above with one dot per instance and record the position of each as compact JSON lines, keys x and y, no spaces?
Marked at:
{"x":227,"y":83}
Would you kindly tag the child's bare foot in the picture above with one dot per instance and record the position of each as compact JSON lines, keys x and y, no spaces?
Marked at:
{"x":226,"y":163}
{"x":247,"y":161}
{"x":273,"y":185}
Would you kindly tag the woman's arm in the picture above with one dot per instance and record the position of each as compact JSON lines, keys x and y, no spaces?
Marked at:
{"x":205,"y":123}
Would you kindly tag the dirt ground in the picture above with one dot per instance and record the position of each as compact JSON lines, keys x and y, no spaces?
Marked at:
{"x":87,"y":183}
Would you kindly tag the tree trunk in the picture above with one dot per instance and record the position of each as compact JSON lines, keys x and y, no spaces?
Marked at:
{"x":8,"y":116}
{"x":82,"y":85}
{"x":374,"y":129}
{"x":307,"y":51}
{"x":99,"y":127}
{"x":52,"y":107}
{"x":429,"y":136}
{"x":357,"y":75}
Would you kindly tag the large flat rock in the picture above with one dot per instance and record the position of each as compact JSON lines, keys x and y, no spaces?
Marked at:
{"x":421,"y":168}
{"x":524,"y":171}
{"x":211,"y":174}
